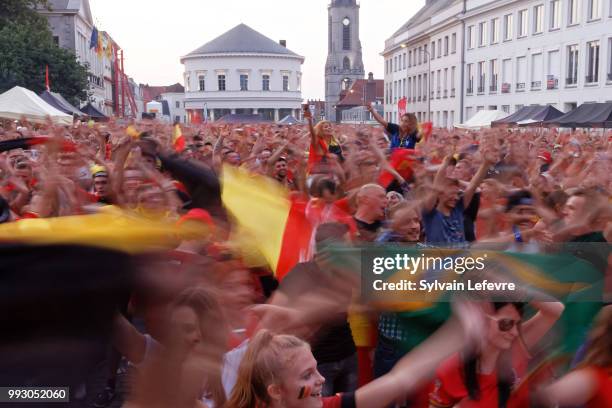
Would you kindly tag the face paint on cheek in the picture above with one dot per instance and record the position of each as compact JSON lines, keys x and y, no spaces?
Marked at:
{"x":305,"y":392}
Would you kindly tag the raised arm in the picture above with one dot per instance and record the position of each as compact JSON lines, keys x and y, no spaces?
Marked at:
{"x":468,"y":194}
{"x":377,"y":117}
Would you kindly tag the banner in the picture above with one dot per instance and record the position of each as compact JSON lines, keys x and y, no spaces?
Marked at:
{"x":401,"y":106}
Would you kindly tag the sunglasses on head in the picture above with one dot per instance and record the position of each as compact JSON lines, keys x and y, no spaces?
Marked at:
{"x":505,"y":324}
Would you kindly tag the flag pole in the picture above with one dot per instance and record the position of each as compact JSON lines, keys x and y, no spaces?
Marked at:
{"x":47,"y":85}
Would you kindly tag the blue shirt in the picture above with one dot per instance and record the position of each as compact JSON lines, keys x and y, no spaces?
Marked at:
{"x":407,"y":142}
{"x":442,"y":229}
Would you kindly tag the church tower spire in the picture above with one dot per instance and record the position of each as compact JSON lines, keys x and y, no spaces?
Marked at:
{"x":344,"y":59}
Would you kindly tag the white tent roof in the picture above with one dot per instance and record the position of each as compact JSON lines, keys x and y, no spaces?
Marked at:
{"x":482,"y":119}
{"x":20,"y":102}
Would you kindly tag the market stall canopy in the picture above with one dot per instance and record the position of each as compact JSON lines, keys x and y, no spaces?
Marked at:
{"x":242,"y":118}
{"x":288,"y":120}
{"x":539,"y":117}
{"x":586,"y":115}
{"x":58,"y":102}
{"x":482,"y":119}
{"x":20,"y":102}
{"x":520,"y":115}
{"x":93,"y":113}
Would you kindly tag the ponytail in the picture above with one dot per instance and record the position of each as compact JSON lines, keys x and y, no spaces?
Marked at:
{"x":266,"y":357}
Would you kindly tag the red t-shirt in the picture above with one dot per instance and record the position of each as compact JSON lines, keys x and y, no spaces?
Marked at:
{"x":450,"y":389}
{"x":603,"y":395}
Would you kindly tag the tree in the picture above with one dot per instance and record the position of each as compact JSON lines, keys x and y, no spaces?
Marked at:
{"x":27,"y":46}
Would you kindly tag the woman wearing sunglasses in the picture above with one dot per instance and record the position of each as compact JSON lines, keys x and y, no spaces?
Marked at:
{"x":491,"y":374}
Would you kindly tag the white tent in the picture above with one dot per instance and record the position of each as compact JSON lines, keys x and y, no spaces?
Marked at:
{"x":482,"y":119}
{"x":20,"y":102}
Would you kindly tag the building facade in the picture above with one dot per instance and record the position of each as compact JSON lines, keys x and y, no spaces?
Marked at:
{"x":71,"y":24}
{"x":546,"y":52}
{"x":242,"y":72}
{"x":344,"y":63}
{"x":363,"y":92}
{"x":176,"y":106}
{"x":499,"y":54}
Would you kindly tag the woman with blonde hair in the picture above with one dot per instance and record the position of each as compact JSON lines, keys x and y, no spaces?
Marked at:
{"x":591,"y":384}
{"x":322,"y":141}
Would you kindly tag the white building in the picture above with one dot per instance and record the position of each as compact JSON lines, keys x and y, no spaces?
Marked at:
{"x":423,"y":64}
{"x":243,"y":72}
{"x":176,"y":105}
{"x":71,"y":23}
{"x":542,"y":52}
{"x":515,"y":53}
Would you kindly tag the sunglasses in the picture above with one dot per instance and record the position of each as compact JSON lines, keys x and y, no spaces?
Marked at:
{"x":505,"y":325}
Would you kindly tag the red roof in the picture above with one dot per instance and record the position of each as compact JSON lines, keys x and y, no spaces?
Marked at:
{"x":150,"y":93}
{"x":355,"y":97}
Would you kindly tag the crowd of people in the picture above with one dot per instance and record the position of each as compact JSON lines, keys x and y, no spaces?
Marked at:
{"x":219,"y":332}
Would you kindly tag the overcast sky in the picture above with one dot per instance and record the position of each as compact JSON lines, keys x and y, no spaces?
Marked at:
{"x":156,"y":33}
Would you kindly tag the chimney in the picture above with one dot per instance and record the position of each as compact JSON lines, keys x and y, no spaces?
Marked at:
{"x":370,"y":76}
{"x":283,"y":43}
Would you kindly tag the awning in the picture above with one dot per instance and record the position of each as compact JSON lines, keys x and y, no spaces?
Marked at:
{"x":586,"y":115}
{"x":482,"y":119}
{"x":522,"y":114}
{"x":93,"y":113}
{"x":60,"y":103}
{"x":20,"y":102}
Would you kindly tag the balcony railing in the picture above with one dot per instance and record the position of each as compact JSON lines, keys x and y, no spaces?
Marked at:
{"x":520,"y":86}
{"x":552,"y":83}
{"x":610,"y":76}
{"x":571,"y":81}
{"x":445,"y":93}
{"x":452,"y":93}
{"x":481,"y":89}
{"x":493,"y":88}
{"x":470,"y":91}
{"x":536,"y":84}
{"x":591,"y":79}
{"x":506,"y":87}
{"x":432,"y":94}
{"x":419,"y":99}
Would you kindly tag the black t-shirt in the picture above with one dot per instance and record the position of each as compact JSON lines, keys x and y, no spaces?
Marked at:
{"x":368,"y":232}
{"x":334,"y":341}
{"x":469,"y":218}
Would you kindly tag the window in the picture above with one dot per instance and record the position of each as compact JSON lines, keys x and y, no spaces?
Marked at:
{"x":409,"y":88}
{"x":419,"y":88}
{"x":439,"y":79}
{"x":433,"y":49}
{"x":470,"y":78}
{"x":221,"y":82}
{"x":523,"y":24}
{"x":409,"y":59}
{"x":609,"y":59}
{"x":572,"y":65}
{"x":445,"y":82}
{"x":594,"y":9}
{"x":202,"y":83}
{"x":452,"y":82}
{"x":439,"y":47}
{"x":470,"y":37}
{"x":521,"y":73}
{"x":494,"y":70}
{"x":495,"y":31}
{"x":454,"y":43}
{"x":446,"y":45}
{"x":482,"y":34}
{"x":177,"y":118}
{"x":554,"y":69}
{"x":346,"y":34}
{"x":481,"y":76}
{"x":187,"y":82}
{"x":536,"y":71}
{"x":178,"y":105}
{"x":265,"y":82}
{"x":420,"y":55}
{"x":425,"y":53}
{"x":286,"y":83}
{"x":299,"y":82}
{"x":574,"y":12}
{"x":555,"y":14}
{"x":404,"y":60}
{"x":508,"y":27}
{"x":592,"y":62}
{"x":506,"y":108}
{"x":244,"y":82}
{"x":346,"y":63}
{"x":538,"y":19}
{"x":56,"y":40}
